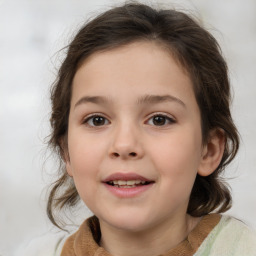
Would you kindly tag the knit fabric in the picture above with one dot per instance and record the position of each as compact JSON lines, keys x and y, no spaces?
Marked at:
{"x":85,"y":240}
{"x":215,"y":235}
{"x":230,"y":237}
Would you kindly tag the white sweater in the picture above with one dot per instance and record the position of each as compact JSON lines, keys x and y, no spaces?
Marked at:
{"x":229,"y":238}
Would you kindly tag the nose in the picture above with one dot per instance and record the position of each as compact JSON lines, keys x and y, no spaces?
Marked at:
{"x":126,"y":143}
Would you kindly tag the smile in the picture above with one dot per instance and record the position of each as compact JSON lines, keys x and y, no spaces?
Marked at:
{"x":127,"y":184}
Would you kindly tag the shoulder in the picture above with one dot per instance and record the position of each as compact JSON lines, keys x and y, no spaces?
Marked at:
{"x":230,"y":237}
{"x":49,"y":244}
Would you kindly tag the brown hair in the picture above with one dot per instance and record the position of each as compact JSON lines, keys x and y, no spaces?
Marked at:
{"x":194,"y":48}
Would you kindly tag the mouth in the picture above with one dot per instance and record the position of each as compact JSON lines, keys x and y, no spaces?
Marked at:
{"x":127,"y":180}
{"x":128,"y":183}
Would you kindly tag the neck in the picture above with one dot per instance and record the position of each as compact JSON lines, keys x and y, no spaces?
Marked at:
{"x":150,"y":242}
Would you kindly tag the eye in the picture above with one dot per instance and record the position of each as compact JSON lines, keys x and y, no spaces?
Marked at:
{"x":96,"y":120}
{"x":160,"y":120}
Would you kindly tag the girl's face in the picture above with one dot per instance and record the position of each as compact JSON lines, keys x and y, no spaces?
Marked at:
{"x":134,"y":137}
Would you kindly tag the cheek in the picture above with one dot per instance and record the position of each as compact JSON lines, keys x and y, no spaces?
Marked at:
{"x":84,"y":159}
{"x":85,"y":153}
{"x":178,"y":150}
{"x":178,"y":157}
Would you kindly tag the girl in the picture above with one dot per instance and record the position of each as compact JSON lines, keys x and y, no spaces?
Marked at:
{"x":141,"y":122}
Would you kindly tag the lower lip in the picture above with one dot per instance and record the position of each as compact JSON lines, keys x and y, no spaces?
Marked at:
{"x":128,"y":192}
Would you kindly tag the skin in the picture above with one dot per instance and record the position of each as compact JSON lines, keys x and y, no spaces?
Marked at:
{"x":129,"y":140}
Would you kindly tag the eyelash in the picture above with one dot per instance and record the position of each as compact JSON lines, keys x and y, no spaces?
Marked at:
{"x":168,"y":119}
{"x":91,"y":118}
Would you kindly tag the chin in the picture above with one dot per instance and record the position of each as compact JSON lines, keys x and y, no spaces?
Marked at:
{"x":130,"y":227}
{"x":128,"y":222}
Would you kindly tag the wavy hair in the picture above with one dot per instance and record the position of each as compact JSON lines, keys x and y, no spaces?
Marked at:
{"x":194,"y":48}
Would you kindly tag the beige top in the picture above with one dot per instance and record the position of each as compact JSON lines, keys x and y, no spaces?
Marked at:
{"x":86,"y":240}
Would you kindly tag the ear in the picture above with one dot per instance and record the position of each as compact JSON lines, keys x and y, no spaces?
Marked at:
{"x":212,"y":152}
{"x":68,"y":168}
{"x":65,"y":155}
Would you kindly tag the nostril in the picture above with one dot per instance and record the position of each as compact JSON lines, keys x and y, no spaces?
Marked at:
{"x":116,"y":154}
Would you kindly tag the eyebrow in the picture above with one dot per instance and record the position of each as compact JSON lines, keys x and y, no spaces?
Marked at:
{"x":145,"y":99}
{"x":92,"y":99}
{"x":153,"y":99}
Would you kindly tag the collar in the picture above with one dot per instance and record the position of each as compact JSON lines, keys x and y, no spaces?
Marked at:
{"x":85,"y":240}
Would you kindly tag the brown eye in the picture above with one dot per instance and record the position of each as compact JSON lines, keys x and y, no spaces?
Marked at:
{"x":160,"y":120}
{"x":96,"y":121}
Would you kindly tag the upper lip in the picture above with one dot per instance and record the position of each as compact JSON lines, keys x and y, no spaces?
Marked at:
{"x":125,"y":176}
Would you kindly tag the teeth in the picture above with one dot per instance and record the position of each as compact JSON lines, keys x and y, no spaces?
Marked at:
{"x":125,"y":183}
{"x":121,"y":182}
{"x":131,"y":182}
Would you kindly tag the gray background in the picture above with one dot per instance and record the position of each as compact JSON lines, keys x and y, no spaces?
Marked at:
{"x":31,"y":32}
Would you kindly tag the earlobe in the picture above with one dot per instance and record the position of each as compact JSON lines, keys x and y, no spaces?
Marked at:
{"x":67,"y":163}
{"x":212,"y":152}
{"x":68,"y":169}
{"x":65,"y":156}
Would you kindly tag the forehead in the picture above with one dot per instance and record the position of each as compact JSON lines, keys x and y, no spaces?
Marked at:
{"x":140,"y":67}
{"x":141,"y":49}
